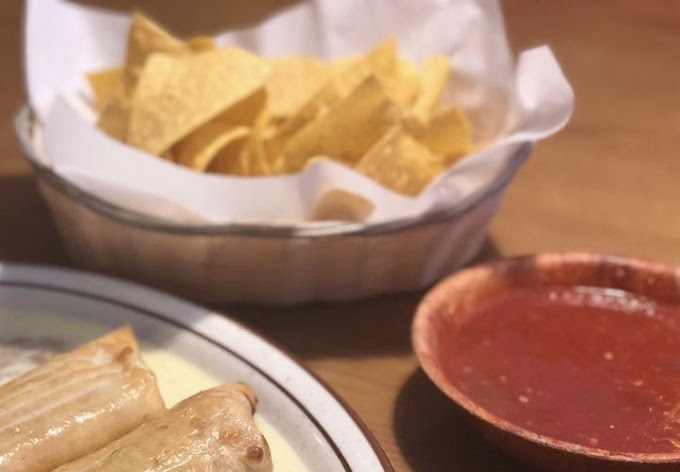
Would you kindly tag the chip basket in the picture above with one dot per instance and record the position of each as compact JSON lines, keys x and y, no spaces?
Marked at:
{"x":260,"y":264}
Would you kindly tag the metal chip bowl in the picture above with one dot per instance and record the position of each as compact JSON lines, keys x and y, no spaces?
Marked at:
{"x":270,"y":265}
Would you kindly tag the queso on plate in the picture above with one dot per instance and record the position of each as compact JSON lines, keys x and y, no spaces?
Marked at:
{"x":100,"y":407}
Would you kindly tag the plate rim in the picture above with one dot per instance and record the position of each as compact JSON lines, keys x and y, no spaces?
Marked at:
{"x":46,"y":277}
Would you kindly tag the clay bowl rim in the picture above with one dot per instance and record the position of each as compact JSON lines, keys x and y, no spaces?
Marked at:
{"x":421,"y":333}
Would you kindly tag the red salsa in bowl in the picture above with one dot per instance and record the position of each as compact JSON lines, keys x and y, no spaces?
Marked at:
{"x":589,"y":366}
{"x":568,"y":361}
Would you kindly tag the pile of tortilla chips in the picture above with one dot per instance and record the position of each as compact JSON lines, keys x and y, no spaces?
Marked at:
{"x":232,"y":112}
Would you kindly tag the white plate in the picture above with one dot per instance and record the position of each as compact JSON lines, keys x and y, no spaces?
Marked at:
{"x":323,"y":431}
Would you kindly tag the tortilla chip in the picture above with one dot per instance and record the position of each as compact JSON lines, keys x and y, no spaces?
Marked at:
{"x":230,"y":161}
{"x":276,"y":137}
{"x":341,"y":205}
{"x":169,"y":155}
{"x":401,"y":81}
{"x":247,"y":111}
{"x":399,"y":78}
{"x":448,"y":133}
{"x":379,"y":62}
{"x":400,"y":163}
{"x":115,"y":117}
{"x":435,"y":78}
{"x":198,"y":150}
{"x":317,"y":106}
{"x":253,"y":159}
{"x":293,"y":82}
{"x":106,"y":85}
{"x":343,"y":64}
{"x":176,"y":95}
{"x":201,"y":43}
{"x":345,"y":132}
{"x":345,"y":75}
{"x":145,"y":38}
{"x":249,"y":161}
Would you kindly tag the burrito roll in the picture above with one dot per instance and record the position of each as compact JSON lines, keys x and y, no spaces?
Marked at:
{"x":212,"y":431}
{"x":75,"y":404}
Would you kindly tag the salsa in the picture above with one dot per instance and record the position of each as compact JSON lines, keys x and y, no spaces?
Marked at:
{"x":590,"y":366}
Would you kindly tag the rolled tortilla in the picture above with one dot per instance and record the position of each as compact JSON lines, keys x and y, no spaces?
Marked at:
{"x":212,"y":431}
{"x":76,"y":404}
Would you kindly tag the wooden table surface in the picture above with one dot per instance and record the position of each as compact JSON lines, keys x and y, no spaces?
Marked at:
{"x":609,"y":182}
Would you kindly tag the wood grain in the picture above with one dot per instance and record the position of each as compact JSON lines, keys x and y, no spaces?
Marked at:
{"x":608,"y":182}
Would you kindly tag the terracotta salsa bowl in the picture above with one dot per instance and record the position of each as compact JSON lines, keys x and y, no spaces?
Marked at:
{"x":440,"y":315}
